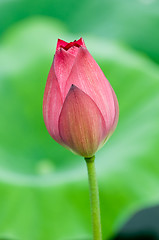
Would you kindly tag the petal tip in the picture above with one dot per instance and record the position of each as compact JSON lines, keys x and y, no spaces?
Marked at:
{"x":73,"y":86}
{"x":81,"y":42}
{"x":61,"y":43}
{"x":67,"y":45}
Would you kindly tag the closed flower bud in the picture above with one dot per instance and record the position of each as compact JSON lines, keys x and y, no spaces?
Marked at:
{"x":80,"y":107}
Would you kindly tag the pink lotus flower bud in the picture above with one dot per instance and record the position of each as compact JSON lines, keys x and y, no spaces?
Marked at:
{"x":80,"y":107}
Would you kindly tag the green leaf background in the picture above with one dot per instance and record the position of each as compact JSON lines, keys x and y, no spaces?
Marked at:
{"x":43,"y":187}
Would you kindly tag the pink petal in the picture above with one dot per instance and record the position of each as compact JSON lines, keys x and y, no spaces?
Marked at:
{"x":63,"y":62}
{"x":115,"y":120}
{"x":87,"y":75}
{"x":52,"y":104}
{"x":73,"y":50}
{"x":66,"y":45}
{"x":60,"y":43}
{"x":81,"y":124}
{"x":116,"y":117}
{"x":64,"y":59}
{"x":81,"y":42}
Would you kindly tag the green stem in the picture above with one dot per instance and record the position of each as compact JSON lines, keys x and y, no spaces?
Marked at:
{"x":94,"y":198}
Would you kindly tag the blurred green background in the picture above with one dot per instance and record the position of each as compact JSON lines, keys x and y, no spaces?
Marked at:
{"x":43,"y":187}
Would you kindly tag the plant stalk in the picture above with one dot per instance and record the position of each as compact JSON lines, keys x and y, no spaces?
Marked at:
{"x":94,"y":198}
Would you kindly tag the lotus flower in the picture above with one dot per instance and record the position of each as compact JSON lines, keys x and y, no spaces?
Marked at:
{"x":80,"y":107}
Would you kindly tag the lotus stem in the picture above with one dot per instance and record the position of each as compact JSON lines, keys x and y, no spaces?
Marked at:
{"x":94,"y":198}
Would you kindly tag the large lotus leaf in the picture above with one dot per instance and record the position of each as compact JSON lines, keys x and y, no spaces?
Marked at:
{"x":43,"y":187}
{"x":132,"y":22}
